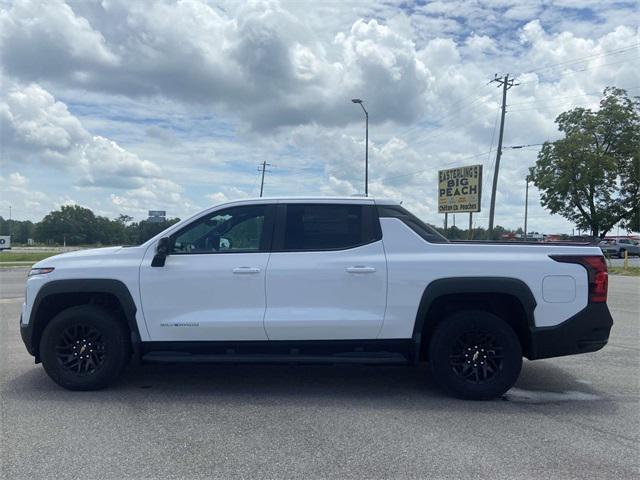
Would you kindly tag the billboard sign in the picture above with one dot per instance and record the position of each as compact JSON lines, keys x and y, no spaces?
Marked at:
{"x":460,"y":189}
{"x":157,"y":216}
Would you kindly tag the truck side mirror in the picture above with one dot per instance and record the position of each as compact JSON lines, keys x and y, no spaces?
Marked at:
{"x":162,"y":250}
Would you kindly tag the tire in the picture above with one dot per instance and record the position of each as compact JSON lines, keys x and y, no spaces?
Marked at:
{"x":97,"y":336}
{"x":476,"y":334}
{"x":621,"y":254}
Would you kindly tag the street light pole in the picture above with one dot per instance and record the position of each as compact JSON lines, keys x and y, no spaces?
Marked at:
{"x":366,"y":147}
{"x":526,"y":207}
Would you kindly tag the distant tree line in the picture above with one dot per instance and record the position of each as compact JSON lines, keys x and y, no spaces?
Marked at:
{"x":76,"y":225}
{"x":479,"y":233}
{"x":504,"y":234}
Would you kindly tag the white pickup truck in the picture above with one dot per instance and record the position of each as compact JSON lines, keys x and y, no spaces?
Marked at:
{"x":315,"y":280}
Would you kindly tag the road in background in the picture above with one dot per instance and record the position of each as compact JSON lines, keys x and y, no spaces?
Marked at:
{"x":616,"y":262}
{"x":573,"y":417}
{"x":619,"y":262}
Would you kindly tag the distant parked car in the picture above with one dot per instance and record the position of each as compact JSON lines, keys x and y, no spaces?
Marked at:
{"x":617,"y":247}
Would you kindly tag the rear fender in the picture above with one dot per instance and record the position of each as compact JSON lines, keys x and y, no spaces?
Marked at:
{"x":471,"y":285}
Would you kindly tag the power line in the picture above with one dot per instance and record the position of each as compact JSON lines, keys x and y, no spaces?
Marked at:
{"x":604,"y":65}
{"x":551,"y":108}
{"x":524,"y":146}
{"x":431,"y":169}
{"x":445,"y":116}
{"x":432,"y":132}
{"x":559,"y":98}
{"x":571,"y":72}
{"x":297,"y":169}
{"x":450,"y":114}
{"x":465,"y":106}
{"x":550,"y":105}
{"x":582,"y":59}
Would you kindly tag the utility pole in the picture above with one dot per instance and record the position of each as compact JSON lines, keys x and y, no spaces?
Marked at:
{"x":526,"y":207}
{"x":9,"y":221}
{"x":263,"y":168}
{"x":506,"y":83}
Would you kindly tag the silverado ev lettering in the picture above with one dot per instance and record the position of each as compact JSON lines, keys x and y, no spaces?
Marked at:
{"x":315,"y":280}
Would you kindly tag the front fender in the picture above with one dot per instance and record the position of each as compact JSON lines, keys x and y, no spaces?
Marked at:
{"x":31,"y":330}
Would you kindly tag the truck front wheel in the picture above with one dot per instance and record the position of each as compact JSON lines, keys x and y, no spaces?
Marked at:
{"x":84,"y":348}
{"x":475,"y":355}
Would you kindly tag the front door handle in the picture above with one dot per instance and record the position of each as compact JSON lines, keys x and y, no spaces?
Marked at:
{"x":360,"y":269}
{"x":246,"y":270}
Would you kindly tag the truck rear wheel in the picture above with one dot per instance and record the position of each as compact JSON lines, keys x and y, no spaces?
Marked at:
{"x":84,"y":348}
{"x":475,"y":355}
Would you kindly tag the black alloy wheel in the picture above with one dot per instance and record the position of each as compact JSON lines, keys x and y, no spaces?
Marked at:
{"x":476,"y":357}
{"x":475,"y":354}
{"x":85,"y":347}
{"x":81,"y":349}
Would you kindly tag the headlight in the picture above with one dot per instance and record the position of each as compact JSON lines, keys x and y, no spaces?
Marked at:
{"x":40,"y":271}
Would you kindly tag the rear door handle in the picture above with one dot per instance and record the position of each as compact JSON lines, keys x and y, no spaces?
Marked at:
{"x":360,"y":269}
{"x":246,"y":270}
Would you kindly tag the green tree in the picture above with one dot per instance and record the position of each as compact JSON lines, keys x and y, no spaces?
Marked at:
{"x":21,"y":230}
{"x":76,"y":225}
{"x":72,"y":224}
{"x":109,"y":232}
{"x":592,"y":175}
{"x":124,"y":219}
{"x":138,"y":233}
{"x":454,"y":233}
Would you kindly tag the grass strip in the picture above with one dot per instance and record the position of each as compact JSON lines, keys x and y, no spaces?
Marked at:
{"x":630,"y":271}
{"x":12,"y":257}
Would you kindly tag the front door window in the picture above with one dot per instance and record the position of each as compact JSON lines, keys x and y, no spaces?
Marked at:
{"x":236,"y":229}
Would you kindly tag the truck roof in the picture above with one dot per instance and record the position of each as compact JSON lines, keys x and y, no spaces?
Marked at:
{"x":357,"y":199}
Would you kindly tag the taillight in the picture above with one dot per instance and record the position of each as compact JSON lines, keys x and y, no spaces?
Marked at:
{"x":596,"y":272}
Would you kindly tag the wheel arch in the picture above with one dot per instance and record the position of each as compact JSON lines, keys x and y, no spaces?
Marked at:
{"x":509,"y":298}
{"x":58,"y":295}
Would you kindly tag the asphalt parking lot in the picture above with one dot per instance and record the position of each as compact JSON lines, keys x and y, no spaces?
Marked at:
{"x":572,"y":417}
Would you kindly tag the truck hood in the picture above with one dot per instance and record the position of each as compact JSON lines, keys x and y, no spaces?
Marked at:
{"x":78,"y":255}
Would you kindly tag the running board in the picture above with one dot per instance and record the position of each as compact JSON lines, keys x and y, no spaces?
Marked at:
{"x":382,"y":358}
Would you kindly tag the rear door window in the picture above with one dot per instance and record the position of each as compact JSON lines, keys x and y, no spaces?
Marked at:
{"x":326,"y":227}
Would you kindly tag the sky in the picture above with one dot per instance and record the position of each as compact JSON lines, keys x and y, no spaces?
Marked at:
{"x":125,"y":107}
